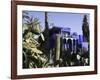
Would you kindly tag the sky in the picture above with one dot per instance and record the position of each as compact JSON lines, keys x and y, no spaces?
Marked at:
{"x":61,"y":19}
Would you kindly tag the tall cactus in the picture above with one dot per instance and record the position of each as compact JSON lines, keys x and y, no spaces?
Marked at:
{"x":57,"y":49}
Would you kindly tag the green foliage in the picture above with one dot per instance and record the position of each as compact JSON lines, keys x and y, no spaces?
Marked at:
{"x":85,"y":28}
{"x":32,"y":56}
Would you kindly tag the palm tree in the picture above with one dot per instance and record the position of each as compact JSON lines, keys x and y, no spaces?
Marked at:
{"x":32,"y":56}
